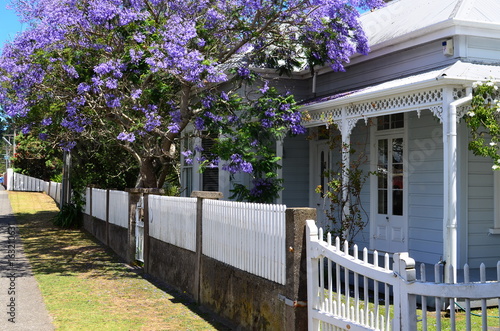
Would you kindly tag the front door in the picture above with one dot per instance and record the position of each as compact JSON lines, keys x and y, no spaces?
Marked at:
{"x":390,"y":227}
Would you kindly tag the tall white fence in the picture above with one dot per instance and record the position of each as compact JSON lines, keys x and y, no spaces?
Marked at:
{"x":346,"y":292}
{"x":248,"y":236}
{"x":118,"y":208}
{"x":20,"y":182}
{"x":173,"y":220}
{"x":99,"y":203}
{"x":27,"y":183}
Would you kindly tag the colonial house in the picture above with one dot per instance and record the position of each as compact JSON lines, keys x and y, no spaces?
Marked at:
{"x":401,"y":107}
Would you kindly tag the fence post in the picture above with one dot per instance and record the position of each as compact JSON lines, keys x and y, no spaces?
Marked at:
{"x":147,"y":193}
{"x":107,"y":218}
{"x":405,"y":304}
{"x":312,"y":275}
{"x":133,"y":198}
{"x":296,"y":267}
{"x":200,"y":196}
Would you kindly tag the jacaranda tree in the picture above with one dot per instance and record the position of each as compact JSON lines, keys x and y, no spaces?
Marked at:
{"x":141,"y":71}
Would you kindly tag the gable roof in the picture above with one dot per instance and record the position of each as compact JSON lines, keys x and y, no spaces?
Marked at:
{"x":418,"y":17}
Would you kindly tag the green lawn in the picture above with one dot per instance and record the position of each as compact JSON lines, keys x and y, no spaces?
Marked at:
{"x":86,"y":287}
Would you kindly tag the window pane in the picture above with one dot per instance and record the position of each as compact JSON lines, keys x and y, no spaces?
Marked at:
{"x":384,"y":122}
{"x":397,"y":121}
{"x":397,"y":202}
{"x":382,"y":152}
{"x":397,"y":150}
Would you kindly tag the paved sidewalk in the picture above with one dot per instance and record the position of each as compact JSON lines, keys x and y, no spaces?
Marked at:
{"x":22,"y":306}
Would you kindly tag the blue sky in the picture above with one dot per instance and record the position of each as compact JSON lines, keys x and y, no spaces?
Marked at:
{"x":9,"y":23}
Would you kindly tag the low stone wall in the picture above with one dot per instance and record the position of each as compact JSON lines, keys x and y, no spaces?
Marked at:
{"x":96,"y":227}
{"x":172,"y":265}
{"x":239,"y":296}
{"x":118,"y":240}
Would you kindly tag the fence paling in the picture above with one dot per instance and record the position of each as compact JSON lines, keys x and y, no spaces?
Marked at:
{"x":173,"y":220}
{"x":247,"y":236}
{"x":99,"y":203}
{"x":118,"y":208}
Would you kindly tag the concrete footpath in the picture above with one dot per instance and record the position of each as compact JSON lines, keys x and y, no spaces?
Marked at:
{"x":22,"y":306}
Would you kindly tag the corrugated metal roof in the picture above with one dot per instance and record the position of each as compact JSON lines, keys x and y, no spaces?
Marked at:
{"x":402,"y":17}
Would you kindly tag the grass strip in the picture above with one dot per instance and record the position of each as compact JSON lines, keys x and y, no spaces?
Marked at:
{"x":86,"y":287}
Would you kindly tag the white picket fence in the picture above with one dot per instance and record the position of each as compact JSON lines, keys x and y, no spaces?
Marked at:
{"x":248,"y":236}
{"x":346,"y":292}
{"x":27,"y":183}
{"x":99,"y":203}
{"x":173,"y":220}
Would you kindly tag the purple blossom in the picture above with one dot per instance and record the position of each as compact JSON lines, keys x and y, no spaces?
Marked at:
{"x":46,"y":121}
{"x":139,"y":37}
{"x":43,"y":136}
{"x":264,"y":88}
{"x":237,"y":164}
{"x":26,"y":129}
{"x":111,"y":83}
{"x":112,"y":101}
{"x":83,"y":88}
{"x":124,"y":136}
{"x":199,"y":124}
{"x":136,"y":94}
{"x":67,"y":145}
{"x":187,"y":153}
{"x":71,"y":71}
{"x":243,"y":72}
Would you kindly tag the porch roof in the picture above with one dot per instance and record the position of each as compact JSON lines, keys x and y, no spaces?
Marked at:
{"x":420,"y":91}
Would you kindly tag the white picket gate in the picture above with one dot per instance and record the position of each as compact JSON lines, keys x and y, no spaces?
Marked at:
{"x":139,"y":231}
{"x":349,"y":293}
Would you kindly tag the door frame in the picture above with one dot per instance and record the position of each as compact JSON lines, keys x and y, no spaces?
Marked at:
{"x":374,"y":136}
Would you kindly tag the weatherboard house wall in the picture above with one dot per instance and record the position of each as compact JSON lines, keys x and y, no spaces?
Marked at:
{"x":425,"y":56}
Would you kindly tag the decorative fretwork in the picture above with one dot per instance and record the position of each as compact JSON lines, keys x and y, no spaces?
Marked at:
{"x":437,"y":111}
{"x":351,"y":123}
{"x":462,"y":110}
{"x":459,"y":93}
{"x":430,"y":99}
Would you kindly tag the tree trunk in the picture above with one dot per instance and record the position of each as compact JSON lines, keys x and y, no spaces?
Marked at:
{"x":148,"y":174}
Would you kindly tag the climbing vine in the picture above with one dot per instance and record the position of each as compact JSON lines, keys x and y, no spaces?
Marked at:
{"x":483,"y":121}
{"x":344,"y":208}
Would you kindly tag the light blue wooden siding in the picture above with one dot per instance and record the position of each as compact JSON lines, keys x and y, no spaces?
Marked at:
{"x":425,"y":187}
{"x":482,"y":247}
{"x":296,"y":171}
{"x":407,"y":62}
{"x":483,"y":50}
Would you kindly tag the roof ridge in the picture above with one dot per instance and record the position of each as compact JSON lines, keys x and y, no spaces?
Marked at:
{"x":462,"y":8}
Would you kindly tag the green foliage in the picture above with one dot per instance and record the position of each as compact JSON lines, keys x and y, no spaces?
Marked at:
{"x":345,"y":210}
{"x":483,"y":121}
{"x":246,"y":142}
{"x":69,"y":216}
{"x":37,"y":158}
